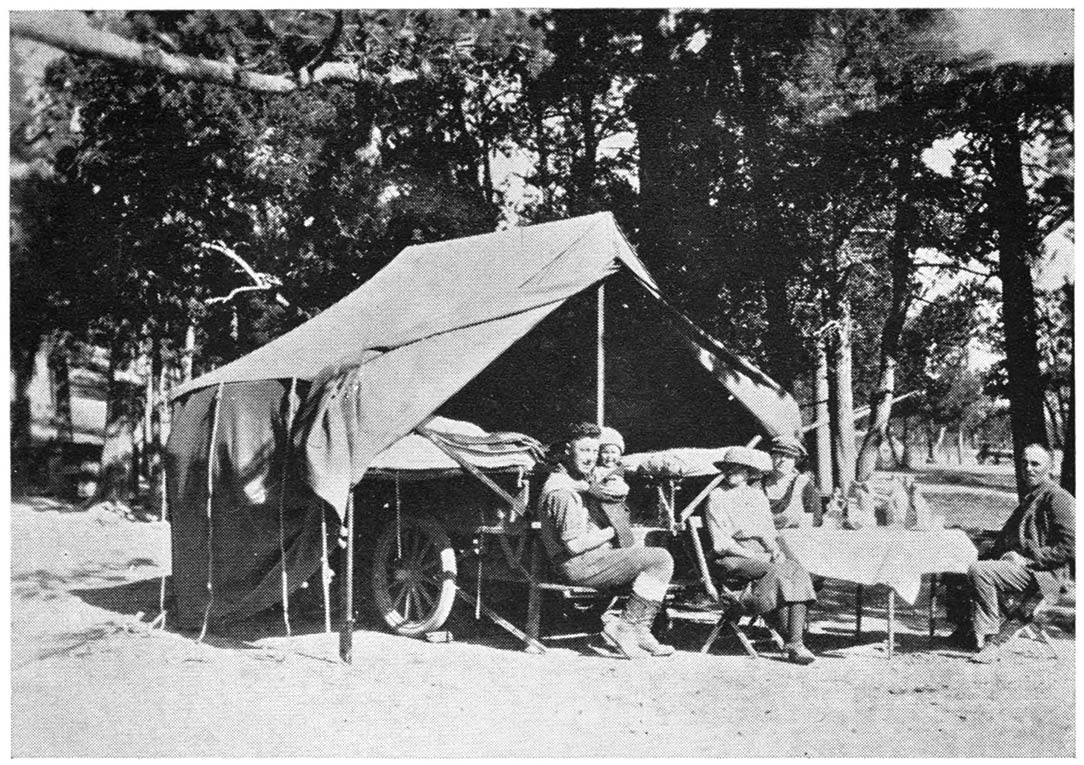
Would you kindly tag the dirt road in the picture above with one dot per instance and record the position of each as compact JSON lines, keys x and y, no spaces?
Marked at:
{"x":90,"y":679}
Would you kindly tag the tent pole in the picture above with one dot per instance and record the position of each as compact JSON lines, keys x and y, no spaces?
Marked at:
{"x":325,"y":573}
{"x":282,"y":500}
{"x":346,"y":633}
{"x":211,"y":451}
{"x":600,"y":379}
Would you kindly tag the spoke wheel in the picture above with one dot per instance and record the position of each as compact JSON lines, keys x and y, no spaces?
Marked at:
{"x":413,"y":578}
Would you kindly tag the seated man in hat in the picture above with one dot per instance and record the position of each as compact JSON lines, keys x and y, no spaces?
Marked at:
{"x":1033,"y":553}
{"x":585,"y":548}
{"x":792,"y":495}
{"x":744,"y":539}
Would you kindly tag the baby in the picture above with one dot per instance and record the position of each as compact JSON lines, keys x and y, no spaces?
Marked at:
{"x":606,"y":481}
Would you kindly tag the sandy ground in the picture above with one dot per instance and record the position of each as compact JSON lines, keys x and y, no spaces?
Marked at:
{"x":90,"y":678}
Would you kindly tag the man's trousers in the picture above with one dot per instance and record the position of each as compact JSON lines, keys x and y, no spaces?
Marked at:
{"x":991,"y":580}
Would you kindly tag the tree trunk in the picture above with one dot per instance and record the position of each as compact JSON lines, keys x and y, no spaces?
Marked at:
{"x":538,"y":117}
{"x":1016,"y":244}
{"x":651,"y":112}
{"x":841,"y":398}
{"x":117,"y":439}
{"x":823,"y":431}
{"x":779,"y":340}
{"x":899,"y":260}
{"x":22,"y":363}
{"x":1068,"y":457}
{"x":897,"y":454}
{"x":156,"y":473}
{"x":585,"y":165}
{"x":70,"y":31}
{"x":842,"y":403}
{"x":189,"y":352}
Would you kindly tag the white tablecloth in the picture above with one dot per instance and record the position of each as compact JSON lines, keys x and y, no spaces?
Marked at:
{"x":893,"y":556}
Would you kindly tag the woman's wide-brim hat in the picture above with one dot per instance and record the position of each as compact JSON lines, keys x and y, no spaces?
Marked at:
{"x":789,"y":446}
{"x":747,"y":457}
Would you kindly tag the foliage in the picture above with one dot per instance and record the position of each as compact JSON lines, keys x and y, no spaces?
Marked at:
{"x":768,"y":165}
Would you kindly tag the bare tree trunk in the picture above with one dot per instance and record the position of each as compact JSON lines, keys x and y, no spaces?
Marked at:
{"x":70,"y":31}
{"x":1068,"y":456}
{"x":22,"y":363}
{"x":157,"y":474}
{"x":585,"y":165}
{"x":900,"y":267}
{"x":823,"y":431}
{"x":650,"y":110}
{"x":538,"y":125}
{"x":1017,"y":241}
{"x":936,"y":448}
{"x":909,"y":445}
{"x":841,"y":398}
{"x":897,"y":455}
{"x":843,"y":403}
{"x":118,"y":437}
{"x":189,"y":352}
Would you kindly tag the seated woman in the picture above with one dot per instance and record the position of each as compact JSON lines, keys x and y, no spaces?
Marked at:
{"x":792,"y":495}
{"x":581,"y":543}
{"x":744,"y":538}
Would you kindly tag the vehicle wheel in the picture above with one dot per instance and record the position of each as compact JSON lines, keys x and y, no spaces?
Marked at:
{"x":413,"y":578}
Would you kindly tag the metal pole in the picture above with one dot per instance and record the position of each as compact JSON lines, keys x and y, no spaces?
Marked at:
{"x":346,"y":633}
{"x":600,"y":380}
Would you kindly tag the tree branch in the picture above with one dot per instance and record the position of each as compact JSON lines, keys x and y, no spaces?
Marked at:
{"x":952,"y":267}
{"x":329,"y":44}
{"x":262,"y":281}
{"x":71,"y":32}
{"x":237,"y":291}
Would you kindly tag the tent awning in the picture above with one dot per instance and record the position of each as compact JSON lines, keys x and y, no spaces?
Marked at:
{"x":385,"y":357}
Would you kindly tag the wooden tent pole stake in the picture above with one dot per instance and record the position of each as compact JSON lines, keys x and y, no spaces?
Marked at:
{"x":346,"y":634}
{"x":600,"y":380}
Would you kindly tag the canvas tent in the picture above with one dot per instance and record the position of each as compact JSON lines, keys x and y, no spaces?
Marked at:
{"x":290,"y":428}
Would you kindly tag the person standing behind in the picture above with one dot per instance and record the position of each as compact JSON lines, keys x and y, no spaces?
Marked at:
{"x":581,"y":545}
{"x":791,"y":492}
{"x":1034,"y":551}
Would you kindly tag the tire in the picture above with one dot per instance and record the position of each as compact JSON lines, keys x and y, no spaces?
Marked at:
{"x":414,"y":594}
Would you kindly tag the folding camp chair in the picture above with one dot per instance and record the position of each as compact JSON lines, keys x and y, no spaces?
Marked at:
{"x":725,"y":592}
{"x":1029,"y":620}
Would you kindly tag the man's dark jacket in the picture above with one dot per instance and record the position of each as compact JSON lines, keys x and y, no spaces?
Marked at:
{"x":1043,"y":530}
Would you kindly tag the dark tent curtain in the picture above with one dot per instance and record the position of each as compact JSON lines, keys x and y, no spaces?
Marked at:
{"x":244,"y":566}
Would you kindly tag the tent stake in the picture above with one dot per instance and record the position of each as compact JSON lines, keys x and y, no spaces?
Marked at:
{"x":600,"y":380}
{"x":346,"y":634}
